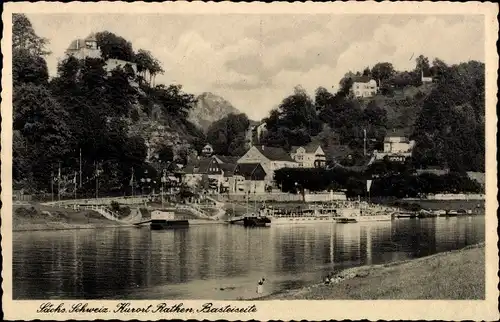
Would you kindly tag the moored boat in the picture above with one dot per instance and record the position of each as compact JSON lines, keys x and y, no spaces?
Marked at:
{"x":345,"y":220}
{"x":329,"y":213}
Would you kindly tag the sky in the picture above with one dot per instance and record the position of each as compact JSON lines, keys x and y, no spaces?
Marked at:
{"x":255,"y":61}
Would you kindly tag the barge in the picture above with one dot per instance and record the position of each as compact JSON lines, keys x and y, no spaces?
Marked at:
{"x":161,"y":220}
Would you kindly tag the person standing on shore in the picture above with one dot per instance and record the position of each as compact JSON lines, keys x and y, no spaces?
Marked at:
{"x":260,"y":286}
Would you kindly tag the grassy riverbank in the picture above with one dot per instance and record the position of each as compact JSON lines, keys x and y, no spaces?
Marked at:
{"x":39,"y":217}
{"x":455,"y":275}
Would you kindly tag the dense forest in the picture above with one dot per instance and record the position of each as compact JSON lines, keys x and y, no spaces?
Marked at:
{"x":445,"y":118}
{"x":86,"y":111}
{"x":395,"y":179}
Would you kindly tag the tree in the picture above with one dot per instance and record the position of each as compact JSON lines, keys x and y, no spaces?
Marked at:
{"x":367,"y":71}
{"x":120,"y":94}
{"x":45,"y":135}
{"x":228,"y":135}
{"x":148,"y":65}
{"x":447,"y":130}
{"x":422,"y":65}
{"x":166,"y":154}
{"x":25,"y":38}
{"x":295,"y":119}
{"x":113,"y":46}
{"x":174,"y":102}
{"x":382,"y":71}
{"x":345,"y":85}
{"x":322,"y":98}
{"x":28,"y":68}
{"x":438,"y":68}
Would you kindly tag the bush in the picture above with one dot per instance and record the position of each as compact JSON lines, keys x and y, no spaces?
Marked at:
{"x":115,"y":206}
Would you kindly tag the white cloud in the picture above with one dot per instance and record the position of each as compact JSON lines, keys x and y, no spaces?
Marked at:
{"x":272,"y":54}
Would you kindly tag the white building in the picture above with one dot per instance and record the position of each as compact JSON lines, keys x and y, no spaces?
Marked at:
{"x":397,"y":147}
{"x":397,"y":144}
{"x":364,"y":86}
{"x":309,"y":156}
{"x":207,"y":150}
{"x":425,"y":79}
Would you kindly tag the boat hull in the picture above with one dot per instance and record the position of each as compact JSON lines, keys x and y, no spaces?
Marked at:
{"x":168,"y":224}
{"x":374,"y":218}
{"x":301,"y":220}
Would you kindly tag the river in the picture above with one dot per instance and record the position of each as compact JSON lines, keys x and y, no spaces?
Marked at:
{"x":217,"y":261}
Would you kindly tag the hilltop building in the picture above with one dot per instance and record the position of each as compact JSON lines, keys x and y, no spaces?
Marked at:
{"x":88,"y":48}
{"x":425,"y":80}
{"x":364,"y":86}
{"x":309,"y":156}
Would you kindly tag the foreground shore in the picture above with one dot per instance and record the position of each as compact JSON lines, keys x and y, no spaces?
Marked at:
{"x":38,"y":217}
{"x":454,"y":275}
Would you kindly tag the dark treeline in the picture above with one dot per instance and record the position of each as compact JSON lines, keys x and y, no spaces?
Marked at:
{"x":228,"y":135}
{"x":394,"y":183}
{"x":85,"y":108}
{"x":448,"y":122}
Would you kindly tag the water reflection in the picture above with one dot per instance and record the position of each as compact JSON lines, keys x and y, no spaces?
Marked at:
{"x":217,"y":262}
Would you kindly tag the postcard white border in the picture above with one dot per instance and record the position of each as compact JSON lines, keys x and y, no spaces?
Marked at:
{"x":283,"y":310}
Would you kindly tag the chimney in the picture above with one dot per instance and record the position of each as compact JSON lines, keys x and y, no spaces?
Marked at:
{"x":77,"y":44}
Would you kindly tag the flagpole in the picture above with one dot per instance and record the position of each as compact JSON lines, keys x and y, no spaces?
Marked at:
{"x":163,"y":178}
{"x":52,"y":185}
{"x":132,"y":182}
{"x":97,"y":180}
{"x":80,"y":167}
{"x":59,"y":183}
{"x":74,"y":179}
{"x":364,"y":141}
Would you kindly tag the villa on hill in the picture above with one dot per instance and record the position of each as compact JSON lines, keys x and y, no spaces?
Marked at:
{"x":88,"y":48}
{"x":364,"y":86}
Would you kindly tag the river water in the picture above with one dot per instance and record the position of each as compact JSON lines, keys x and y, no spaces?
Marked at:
{"x":217,"y":261}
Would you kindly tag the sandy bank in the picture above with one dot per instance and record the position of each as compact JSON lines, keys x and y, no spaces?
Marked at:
{"x":38,"y":217}
{"x":454,"y":275}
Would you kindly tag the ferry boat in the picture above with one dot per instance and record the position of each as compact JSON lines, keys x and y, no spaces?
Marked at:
{"x":300,"y":216}
{"x":342,"y":213}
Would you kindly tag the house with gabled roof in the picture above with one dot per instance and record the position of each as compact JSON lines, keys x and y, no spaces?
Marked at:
{"x":197,"y":169}
{"x":270,"y":158}
{"x":397,"y":146}
{"x":364,"y":86}
{"x":309,"y":156}
{"x":221,"y":159}
{"x":250,"y":178}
